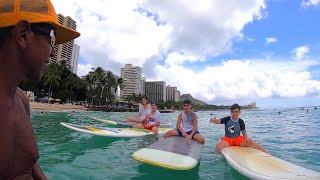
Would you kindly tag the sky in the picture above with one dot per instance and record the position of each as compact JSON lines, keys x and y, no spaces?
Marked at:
{"x":221,"y":52}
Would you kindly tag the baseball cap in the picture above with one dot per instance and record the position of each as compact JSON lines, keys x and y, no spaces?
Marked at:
{"x":34,"y":11}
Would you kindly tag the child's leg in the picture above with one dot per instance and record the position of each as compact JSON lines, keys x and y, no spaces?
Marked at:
{"x":131,"y":120}
{"x":155,"y":130}
{"x":172,"y":132}
{"x":254,"y":145}
{"x":199,"y":138}
{"x":221,"y":144}
{"x":138,"y":126}
{"x":224,"y":142}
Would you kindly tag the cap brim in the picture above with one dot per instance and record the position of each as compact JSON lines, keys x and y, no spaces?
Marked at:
{"x":65,"y":34}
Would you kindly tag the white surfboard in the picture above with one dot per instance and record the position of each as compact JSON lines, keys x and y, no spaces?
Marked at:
{"x":124,"y":123}
{"x":172,"y":152}
{"x":112,"y":132}
{"x":256,"y":164}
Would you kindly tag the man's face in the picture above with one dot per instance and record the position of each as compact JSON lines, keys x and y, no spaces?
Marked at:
{"x":38,"y":51}
{"x":235,"y":113}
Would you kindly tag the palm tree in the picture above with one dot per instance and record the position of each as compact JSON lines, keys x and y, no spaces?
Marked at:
{"x":111,"y":85}
{"x":119,"y":83}
{"x":101,"y":82}
{"x":52,"y":77}
{"x":91,"y":83}
{"x":72,"y":82}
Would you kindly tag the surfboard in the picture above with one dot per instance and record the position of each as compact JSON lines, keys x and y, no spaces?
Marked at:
{"x":173,"y":152}
{"x":112,"y":132}
{"x":256,"y":164}
{"x":124,"y":123}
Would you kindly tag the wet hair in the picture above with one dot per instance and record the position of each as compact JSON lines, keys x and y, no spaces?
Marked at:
{"x":187,"y":101}
{"x":5,"y":34}
{"x":152,"y":103}
{"x":235,"y":106}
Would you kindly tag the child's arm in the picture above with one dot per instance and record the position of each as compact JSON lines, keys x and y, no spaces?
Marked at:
{"x":246,"y":137}
{"x":184,"y":134}
{"x":158,"y":119}
{"x":146,"y":119}
{"x":138,"y":120}
{"x":243,"y":131}
{"x":215,"y":120}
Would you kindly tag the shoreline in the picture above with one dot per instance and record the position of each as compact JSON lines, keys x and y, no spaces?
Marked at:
{"x":36,"y":106}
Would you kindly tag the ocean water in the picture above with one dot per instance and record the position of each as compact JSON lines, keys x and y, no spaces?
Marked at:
{"x":292,"y":135}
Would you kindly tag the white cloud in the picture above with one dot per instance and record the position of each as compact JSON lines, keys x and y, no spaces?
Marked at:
{"x":306,"y":3}
{"x":117,"y":32}
{"x":238,"y":80}
{"x":164,"y":36}
{"x":271,"y":40}
{"x":83,"y":69}
{"x":300,"y":52}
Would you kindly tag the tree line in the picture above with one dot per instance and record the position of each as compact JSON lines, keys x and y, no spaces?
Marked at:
{"x":98,"y":87}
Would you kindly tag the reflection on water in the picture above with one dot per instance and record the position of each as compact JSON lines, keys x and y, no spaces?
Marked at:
{"x":291,"y":135}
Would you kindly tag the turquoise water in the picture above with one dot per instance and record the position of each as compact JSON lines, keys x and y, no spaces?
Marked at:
{"x":65,"y":154}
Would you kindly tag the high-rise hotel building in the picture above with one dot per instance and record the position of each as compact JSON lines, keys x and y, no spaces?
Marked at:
{"x":132,"y":80}
{"x":172,"y":94}
{"x":74,"y":58}
{"x":65,"y":51}
{"x":156,"y":91}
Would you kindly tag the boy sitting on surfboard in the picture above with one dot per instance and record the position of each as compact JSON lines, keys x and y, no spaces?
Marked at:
{"x":153,"y":122}
{"x":233,"y":126}
{"x":187,"y":124}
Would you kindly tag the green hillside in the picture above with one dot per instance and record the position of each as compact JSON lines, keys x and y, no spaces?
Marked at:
{"x":193,"y":100}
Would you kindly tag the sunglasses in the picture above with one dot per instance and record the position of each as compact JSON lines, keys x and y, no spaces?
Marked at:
{"x":45,"y":29}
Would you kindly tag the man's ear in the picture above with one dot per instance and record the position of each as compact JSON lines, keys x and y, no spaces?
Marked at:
{"x":22,"y":33}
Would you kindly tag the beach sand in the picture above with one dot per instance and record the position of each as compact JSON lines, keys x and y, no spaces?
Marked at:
{"x":36,"y":106}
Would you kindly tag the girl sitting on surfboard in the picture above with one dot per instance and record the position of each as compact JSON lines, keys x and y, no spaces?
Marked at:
{"x":153,"y":122}
{"x":187,"y":124}
{"x":144,"y":111}
{"x":233,"y":126}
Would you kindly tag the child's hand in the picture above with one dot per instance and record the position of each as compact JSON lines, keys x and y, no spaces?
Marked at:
{"x":188,"y":137}
{"x":184,"y":134}
{"x":247,"y":140}
{"x":212,"y":119}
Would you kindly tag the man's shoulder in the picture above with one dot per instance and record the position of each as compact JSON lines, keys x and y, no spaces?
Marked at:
{"x":227,"y":117}
{"x":22,"y":95}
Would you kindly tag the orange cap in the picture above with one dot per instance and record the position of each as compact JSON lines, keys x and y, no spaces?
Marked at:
{"x":34,"y":11}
